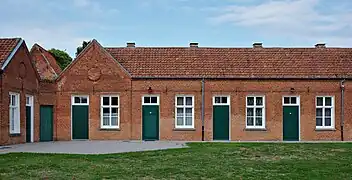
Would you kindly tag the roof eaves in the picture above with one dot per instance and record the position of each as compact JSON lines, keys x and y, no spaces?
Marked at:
{"x":13,"y":52}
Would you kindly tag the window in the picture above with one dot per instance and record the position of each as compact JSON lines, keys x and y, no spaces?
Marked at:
{"x":290,"y":100}
{"x":14,"y":113}
{"x":150,"y":100}
{"x":80,"y":100}
{"x":221,"y":100}
{"x":255,"y":112}
{"x":325,"y":112}
{"x":184,"y":112}
{"x":110,"y":112}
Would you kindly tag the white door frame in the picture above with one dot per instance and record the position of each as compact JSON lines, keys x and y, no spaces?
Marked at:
{"x":150,"y":104}
{"x":30,"y":103}
{"x":222,"y":104}
{"x":298,"y":103}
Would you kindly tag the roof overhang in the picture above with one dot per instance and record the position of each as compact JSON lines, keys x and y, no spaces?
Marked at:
{"x":13,"y":52}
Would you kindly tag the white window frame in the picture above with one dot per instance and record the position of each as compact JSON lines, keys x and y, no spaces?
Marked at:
{"x":221,"y":103}
{"x":332,"y":107}
{"x":16,"y":122}
{"x":184,"y":106}
{"x":30,"y":103}
{"x":254,"y":112}
{"x":150,"y":103}
{"x":290,"y":103}
{"x":80,"y":96}
{"x":110,"y":111}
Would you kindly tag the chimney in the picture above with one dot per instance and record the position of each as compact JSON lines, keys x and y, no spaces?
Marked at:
{"x":193,"y":44}
{"x":258,"y":45}
{"x":320,"y":45}
{"x":131,"y":44}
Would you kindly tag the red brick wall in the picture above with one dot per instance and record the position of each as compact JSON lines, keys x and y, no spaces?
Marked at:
{"x":83,"y":78}
{"x":20,"y":66}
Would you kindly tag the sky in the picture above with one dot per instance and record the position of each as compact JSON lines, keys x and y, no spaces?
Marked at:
{"x":64,"y":24}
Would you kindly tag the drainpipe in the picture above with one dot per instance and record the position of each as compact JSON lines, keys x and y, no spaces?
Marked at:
{"x":342,"y":86}
{"x":1,"y":102}
{"x":203,"y":109}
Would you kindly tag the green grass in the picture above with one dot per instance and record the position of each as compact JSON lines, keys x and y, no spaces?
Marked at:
{"x":200,"y":161}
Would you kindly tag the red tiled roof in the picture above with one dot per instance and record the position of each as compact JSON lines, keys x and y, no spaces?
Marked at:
{"x":7,"y":45}
{"x":45,"y":63}
{"x":235,"y":62}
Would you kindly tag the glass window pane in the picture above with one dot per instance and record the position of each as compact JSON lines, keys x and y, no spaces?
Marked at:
{"x":250,"y":101}
{"x":188,"y":111}
{"x":106,"y":101}
{"x":258,"y":112}
{"x":106,"y":111}
{"x":12,"y":118}
{"x":146,"y":99}
{"x":217,"y":99}
{"x":77,"y":100}
{"x":154,"y":100}
{"x":180,"y":112}
{"x":14,"y":102}
{"x":319,"y":122}
{"x":259,"y":101}
{"x":327,"y":121}
{"x":319,"y":112}
{"x":114,"y":111}
{"x":327,"y":112}
{"x":180,"y":101}
{"x":250,"y":121}
{"x":293,"y":100}
{"x":189,"y":121}
{"x":258,"y":121}
{"x":180,"y":121}
{"x":250,"y":111}
{"x":189,"y":101}
{"x":106,"y":121}
{"x":224,"y":100}
{"x":84,"y":100}
{"x":286,"y":100}
{"x":114,"y":101}
{"x":113,"y":121}
{"x":319,"y":101}
{"x":328,"y":101}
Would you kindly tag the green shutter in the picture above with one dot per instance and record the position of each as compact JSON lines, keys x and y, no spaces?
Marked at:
{"x":46,"y":123}
{"x":150,"y":130}
{"x":221,"y":122}
{"x":291,"y":124}
{"x":80,"y":122}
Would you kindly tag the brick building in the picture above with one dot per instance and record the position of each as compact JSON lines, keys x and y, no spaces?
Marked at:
{"x":195,"y":93}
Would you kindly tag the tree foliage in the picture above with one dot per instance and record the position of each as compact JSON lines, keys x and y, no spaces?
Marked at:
{"x":80,"y":48}
{"x":62,"y":58}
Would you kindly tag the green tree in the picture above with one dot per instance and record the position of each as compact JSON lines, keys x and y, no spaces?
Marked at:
{"x":80,"y":48}
{"x":62,"y":58}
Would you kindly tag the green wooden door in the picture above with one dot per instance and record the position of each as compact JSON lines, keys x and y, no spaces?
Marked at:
{"x":150,"y":127}
{"x":291,"y":124}
{"x":28,"y":123}
{"x":46,"y":123}
{"x":80,"y":122}
{"x":221,"y":122}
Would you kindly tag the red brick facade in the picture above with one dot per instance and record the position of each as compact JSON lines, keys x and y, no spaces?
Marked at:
{"x":98,"y":71}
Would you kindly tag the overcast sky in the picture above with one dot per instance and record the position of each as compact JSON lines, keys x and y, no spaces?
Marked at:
{"x":64,"y":24}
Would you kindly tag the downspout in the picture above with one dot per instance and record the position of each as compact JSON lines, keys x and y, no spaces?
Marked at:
{"x":203,"y":100}
{"x":1,"y":102}
{"x":131,"y":107}
{"x":342,"y":86}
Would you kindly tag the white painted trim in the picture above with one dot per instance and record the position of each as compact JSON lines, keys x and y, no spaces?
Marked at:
{"x":31,"y":104}
{"x":110,"y":106}
{"x":255,"y":106}
{"x":184,"y":106}
{"x":151,"y":104}
{"x":18,"y":102}
{"x":222,"y":104}
{"x":74,"y":104}
{"x":323,"y":113}
{"x":7,"y":61}
{"x":298,"y":103}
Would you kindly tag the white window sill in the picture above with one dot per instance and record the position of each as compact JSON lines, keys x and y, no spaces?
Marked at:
{"x":184,"y":129}
{"x":325,"y":129}
{"x":255,"y":129}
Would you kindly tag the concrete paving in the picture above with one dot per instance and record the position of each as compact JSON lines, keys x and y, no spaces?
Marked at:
{"x":91,"y":147}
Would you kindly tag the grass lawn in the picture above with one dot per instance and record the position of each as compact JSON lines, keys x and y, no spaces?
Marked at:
{"x":200,"y":161}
